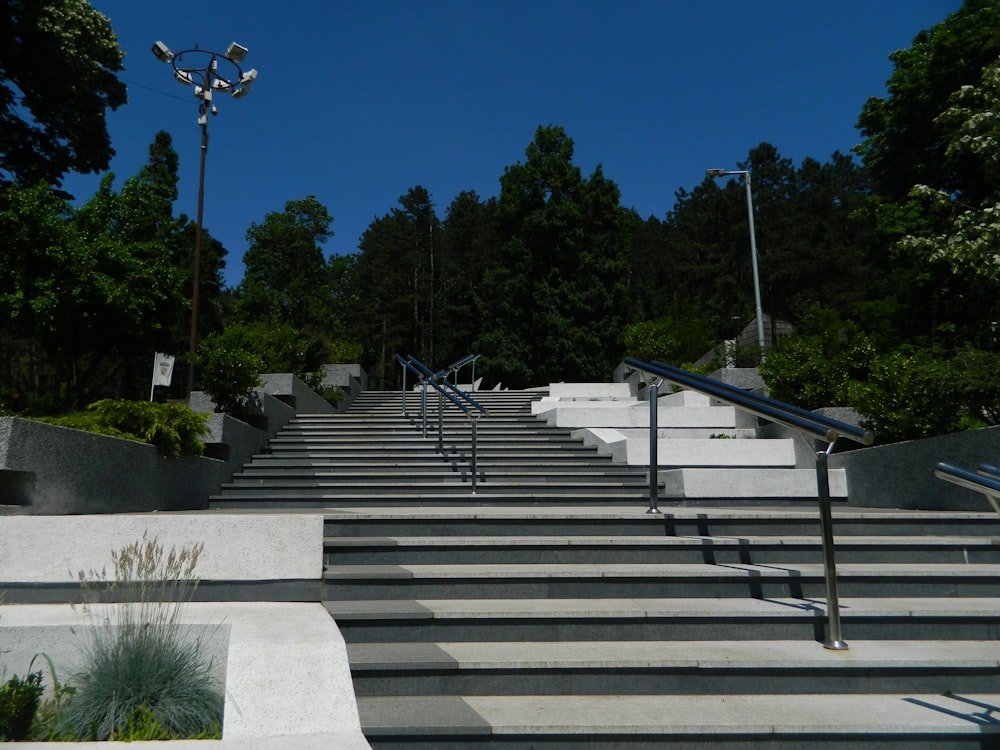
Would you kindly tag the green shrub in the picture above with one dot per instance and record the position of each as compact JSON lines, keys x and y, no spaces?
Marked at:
{"x":227,"y":373}
{"x":174,"y":429}
{"x":142,"y":675}
{"x":906,"y":394}
{"x":18,"y":702}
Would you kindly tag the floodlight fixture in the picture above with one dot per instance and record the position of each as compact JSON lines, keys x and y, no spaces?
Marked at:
{"x":162,"y":52}
{"x":236,"y":52}
{"x":205,"y":76}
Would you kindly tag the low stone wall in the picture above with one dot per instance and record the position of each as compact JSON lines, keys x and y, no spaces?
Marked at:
{"x":901,"y":475}
{"x":58,"y":470}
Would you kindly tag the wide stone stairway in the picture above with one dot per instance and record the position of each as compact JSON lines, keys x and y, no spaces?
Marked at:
{"x":549,"y":610}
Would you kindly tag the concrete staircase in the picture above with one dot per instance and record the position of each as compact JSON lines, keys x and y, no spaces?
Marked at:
{"x":549,"y":610}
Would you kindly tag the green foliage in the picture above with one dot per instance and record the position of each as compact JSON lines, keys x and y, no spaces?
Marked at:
{"x":143,"y":676}
{"x":820,"y":366}
{"x":59,"y":60}
{"x":903,"y":394}
{"x":44,"y":728}
{"x":912,"y":395}
{"x":18,"y":702}
{"x":668,"y":339}
{"x":554,"y":303}
{"x":227,"y":373}
{"x":173,"y":428}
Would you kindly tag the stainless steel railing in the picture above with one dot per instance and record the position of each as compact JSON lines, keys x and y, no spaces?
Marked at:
{"x":807,"y":423}
{"x":455,"y":395}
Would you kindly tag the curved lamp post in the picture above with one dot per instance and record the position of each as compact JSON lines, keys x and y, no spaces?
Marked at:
{"x":753,"y":248}
{"x":200,"y":68}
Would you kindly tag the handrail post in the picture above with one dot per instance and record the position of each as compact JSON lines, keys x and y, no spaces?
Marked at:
{"x":472,"y":462}
{"x":402,"y":395}
{"x":834,"y":640}
{"x":423,"y":408}
{"x":654,"y":470}
{"x":440,"y":422}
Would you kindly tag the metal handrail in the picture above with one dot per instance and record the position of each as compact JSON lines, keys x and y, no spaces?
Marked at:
{"x":458,"y":364}
{"x":805,"y":422}
{"x":468,"y":405}
{"x":986,"y":480}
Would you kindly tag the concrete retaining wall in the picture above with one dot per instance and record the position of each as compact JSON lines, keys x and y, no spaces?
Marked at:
{"x":58,"y":470}
{"x":901,"y":475}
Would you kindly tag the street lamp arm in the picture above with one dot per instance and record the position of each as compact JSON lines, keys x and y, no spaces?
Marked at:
{"x":753,"y":249}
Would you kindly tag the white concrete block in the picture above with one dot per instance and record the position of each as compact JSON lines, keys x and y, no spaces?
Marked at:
{"x":238,"y":547}
{"x":715,"y":453}
{"x":748,"y":483}
{"x":584,"y":391}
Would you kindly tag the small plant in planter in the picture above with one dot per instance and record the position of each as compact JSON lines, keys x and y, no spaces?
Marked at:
{"x":143,"y":678}
{"x":18,"y":703}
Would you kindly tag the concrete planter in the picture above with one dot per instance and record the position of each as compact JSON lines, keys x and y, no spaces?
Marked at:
{"x":58,"y":470}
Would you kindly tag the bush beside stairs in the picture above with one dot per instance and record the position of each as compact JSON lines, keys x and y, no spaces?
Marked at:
{"x":549,"y":610}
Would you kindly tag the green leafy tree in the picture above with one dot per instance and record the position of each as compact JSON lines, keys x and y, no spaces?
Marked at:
{"x":398,"y":274}
{"x":930,"y":148}
{"x":287,"y":277}
{"x":58,"y":60}
{"x":556,"y":296}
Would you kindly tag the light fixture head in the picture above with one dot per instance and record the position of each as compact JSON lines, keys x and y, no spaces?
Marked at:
{"x":249,"y":77}
{"x":221,"y":84}
{"x":184,"y":77}
{"x":239,"y":93}
{"x":716,"y":172}
{"x":162,"y":52}
{"x":236,"y":52}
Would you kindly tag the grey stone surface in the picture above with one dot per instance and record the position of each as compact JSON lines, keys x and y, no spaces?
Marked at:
{"x":290,"y":389}
{"x":266,"y":412}
{"x":901,"y":475}
{"x":58,"y":470}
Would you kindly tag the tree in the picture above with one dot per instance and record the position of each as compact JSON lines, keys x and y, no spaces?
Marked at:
{"x":557,"y":292}
{"x":904,"y":143}
{"x":398,"y":272}
{"x":930,"y":147}
{"x":81,"y":295}
{"x":58,"y":60}
{"x":287,"y":277}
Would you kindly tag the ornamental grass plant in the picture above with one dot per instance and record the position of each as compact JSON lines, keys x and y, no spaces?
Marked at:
{"x":140,"y":664}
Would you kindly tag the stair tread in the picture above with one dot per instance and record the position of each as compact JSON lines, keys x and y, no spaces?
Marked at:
{"x":659,"y":570}
{"x":771,"y":655}
{"x":698,"y":542}
{"x":675,"y":513}
{"x":948,"y":607}
{"x":684,"y":715}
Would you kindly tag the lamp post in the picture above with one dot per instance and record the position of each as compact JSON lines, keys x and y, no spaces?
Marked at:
{"x":200,"y":68}
{"x":753,"y":249}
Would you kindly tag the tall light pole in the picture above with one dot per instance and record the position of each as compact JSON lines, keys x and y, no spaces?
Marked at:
{"x":753,"y":249}
{"x":201,"y":70}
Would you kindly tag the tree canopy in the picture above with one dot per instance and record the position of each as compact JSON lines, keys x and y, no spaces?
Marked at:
{"x":58,"y":60}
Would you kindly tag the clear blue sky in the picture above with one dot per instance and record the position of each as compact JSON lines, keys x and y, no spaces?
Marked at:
{"x":356,"y":102}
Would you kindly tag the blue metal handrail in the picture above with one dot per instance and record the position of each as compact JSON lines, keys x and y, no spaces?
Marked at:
{"x":986,"y":480}
{"x":807,"y":423}
{"x":439,"y":381}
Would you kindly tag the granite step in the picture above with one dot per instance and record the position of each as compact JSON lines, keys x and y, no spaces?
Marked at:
{"x":914,"y":721}
{"x":676,"y":619}
{"x":646,"y":667}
